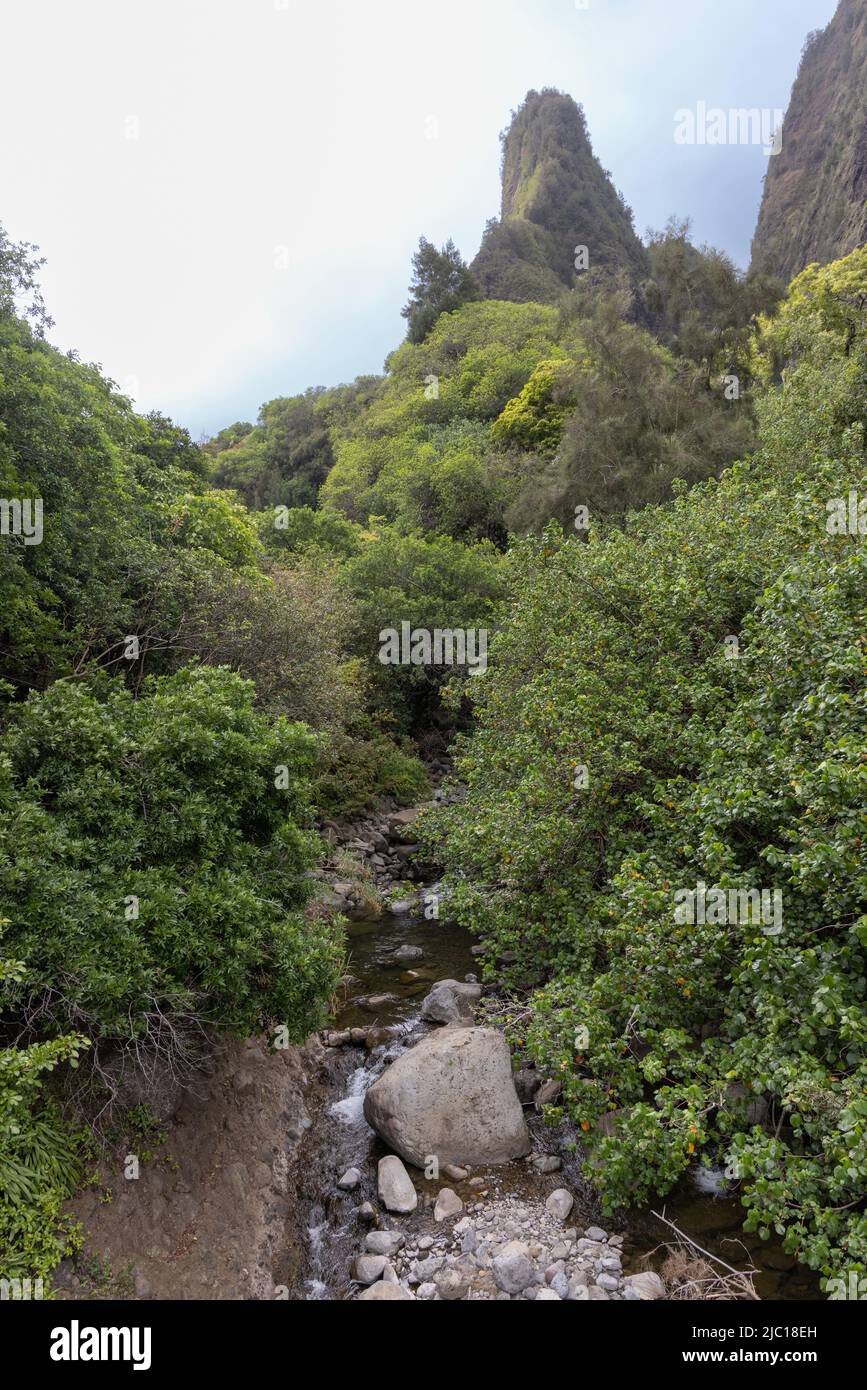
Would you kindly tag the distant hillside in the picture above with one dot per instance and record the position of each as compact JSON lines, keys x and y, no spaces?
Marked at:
{"x":556,"y":196}
{"x":815,"y":201}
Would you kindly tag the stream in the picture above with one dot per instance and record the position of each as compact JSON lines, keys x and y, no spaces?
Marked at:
{"x":340,"y":1138}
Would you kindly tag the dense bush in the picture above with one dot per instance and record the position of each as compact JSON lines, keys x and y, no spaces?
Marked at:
{"x":677,"y":703}
{"x":154,"y":854}
{"x":361,"y":764}
{"x":623,"y":421}
{"x":284,"y":460}
{"x":422,"y":455}
{"x":429,"y":582}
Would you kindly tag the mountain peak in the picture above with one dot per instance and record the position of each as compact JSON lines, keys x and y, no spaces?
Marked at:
{"x":556,"y":196}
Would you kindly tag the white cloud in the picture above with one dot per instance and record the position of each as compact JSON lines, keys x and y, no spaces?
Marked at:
{"x":305,"y":127}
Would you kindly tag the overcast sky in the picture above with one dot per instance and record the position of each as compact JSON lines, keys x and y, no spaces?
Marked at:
{"x":229,"y":191}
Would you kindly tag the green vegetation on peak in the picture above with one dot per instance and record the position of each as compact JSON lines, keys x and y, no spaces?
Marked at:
{"x":556,"y":197}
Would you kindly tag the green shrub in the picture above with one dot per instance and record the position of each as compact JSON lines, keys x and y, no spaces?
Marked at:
{"x":430,"y":582}
{"x":39,"y":1156}
{"x":153,"y":872}
{"x":361,"y":766}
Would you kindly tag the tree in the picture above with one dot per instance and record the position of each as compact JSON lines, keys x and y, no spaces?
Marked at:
{"x":640,"y":417}
{"x":697,"y":301}
{"x":441,"y":283}
{"x":19,"y":288}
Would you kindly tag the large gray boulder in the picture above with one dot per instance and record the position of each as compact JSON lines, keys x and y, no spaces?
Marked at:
{"x":451,"y":1097}
{"x":451,"y":1001}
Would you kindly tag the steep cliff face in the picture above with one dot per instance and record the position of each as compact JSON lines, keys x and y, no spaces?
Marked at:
{"x":556,"y":196}
{"x":815,"y":200}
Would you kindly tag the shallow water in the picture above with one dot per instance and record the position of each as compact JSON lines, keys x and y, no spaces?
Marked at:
{"x":370,"y":945}
{"x":341,"y":1138}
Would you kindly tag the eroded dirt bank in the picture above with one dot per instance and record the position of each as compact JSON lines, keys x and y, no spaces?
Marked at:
{"x":210,"y":1214}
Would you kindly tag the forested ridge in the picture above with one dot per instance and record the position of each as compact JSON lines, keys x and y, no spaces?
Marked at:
{"x":645,"y":480}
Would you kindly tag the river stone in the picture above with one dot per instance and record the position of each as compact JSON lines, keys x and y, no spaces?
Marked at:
{"x":368,"y":1268}
{"x":376,"y":1002}
{"x":383,"y":1242}
{"x":396,"y":1191}
{"x":451,"y":1002}
{"x":547,"y":1163}
{"x":547,"y":1296}
{"x":385,"y":1293}
{"x":405,"y":953}
{"x":596,"y":1233}
{"x":452,"y":1284}
{"x":448,"y":1204}
{"x":648,"y":1285}
{"x":350,"y":1180}
{"x":548,"y":1093}
{"x":512,"y":1269}
{"x":560,"y":1203}
{"x":451,"y":1096}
